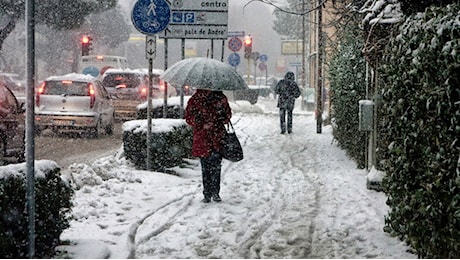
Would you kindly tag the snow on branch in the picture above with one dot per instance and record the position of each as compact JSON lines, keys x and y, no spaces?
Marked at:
{"x":381,"y":11}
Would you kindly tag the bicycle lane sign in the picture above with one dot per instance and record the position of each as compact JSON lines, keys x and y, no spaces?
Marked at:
{"x":151,"y":16}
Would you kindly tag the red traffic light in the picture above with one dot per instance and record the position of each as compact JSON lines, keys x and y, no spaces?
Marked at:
{"x":85,"y":45}
{"x":85,"y":39}
{"x":247,"y":41}
{"x":247,"y":46}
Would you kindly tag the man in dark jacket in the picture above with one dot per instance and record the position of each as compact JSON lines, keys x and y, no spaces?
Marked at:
{"x":287,"y":90}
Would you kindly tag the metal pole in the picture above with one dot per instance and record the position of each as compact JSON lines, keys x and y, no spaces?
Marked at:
{"x":165,"y":103}
{"x":149,"y":116}
{"x":30,"y":124}
{"x":255,"y":71}
{"x":319,"y":97}
{"x":181,"y":111}
{"x":303,"y":54}
{"x":223,"y":47}
{"x":212,"y":48}
{"x":248,"y":71}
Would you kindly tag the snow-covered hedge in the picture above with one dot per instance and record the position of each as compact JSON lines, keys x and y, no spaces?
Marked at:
{"x":421,"y":114}
{"x":172,"y":109}
{"x":53,"y":196}
{"x":171,"y":142}
{"x":347,"y":81}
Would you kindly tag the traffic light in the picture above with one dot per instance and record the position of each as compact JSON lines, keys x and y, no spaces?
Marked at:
{"x":247,"y":46}
{"x":85,"y":45}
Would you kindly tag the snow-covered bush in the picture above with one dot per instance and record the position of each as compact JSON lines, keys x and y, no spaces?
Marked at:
{"x":171,"y":142}
{"x":53,"y":204}
{"x":421,"y":113}
{"x":347,"y":83}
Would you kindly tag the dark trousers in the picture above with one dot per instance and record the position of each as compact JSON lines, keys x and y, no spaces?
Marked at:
{"x":210,"y":169}
{"x":283,"y":119}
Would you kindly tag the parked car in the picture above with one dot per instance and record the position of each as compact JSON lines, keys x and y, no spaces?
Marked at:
{"x":74,"y":102}
{"x":15,"y":84}
{"x":188,"y":90}
{"x":12,"y":126}
{"x":158,"y":85}
{"x":128,"y":89}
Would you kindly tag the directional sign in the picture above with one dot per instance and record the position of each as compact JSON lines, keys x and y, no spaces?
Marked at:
{"x":232,"y":34}
{"x":234,"y":59}
{"x":150,"y":47}
{"x":150,"y":16}
{"x":197,"y":19}
{"x":235,"y":44}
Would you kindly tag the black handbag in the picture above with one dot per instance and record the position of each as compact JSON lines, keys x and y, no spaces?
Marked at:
{"x":230,"y":145}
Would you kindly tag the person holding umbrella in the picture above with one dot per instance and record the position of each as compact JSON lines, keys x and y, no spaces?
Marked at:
{"x":288,"y":91}
{"x":207,"y":112}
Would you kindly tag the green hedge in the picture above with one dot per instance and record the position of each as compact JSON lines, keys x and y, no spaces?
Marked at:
{"x":52,"y":209}
{"x":171,"y":142}
{"x":421,"y":113}
{"x":347,"y":86}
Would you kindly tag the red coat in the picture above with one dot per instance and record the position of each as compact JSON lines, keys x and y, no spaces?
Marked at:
{"x":207,"y":112}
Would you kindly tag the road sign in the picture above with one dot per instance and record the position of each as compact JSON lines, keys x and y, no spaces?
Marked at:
{"x":93,"y":71}
{"x":150,"y":47}
{"x":262,"y":66}
{"x":150,"y":16}
{"x":197,"y":19}
{"x":234,"y":59}
{"x":255,"y":55}
{"x":291,"y":47}
{"x":232,"y":34}
{"x":263,"y":58}
{"x":295,"y":64}
{"x":235,"y":44}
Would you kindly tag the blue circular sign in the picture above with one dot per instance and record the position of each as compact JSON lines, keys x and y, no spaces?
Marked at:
{"x":263,"y":58}
{"x":151,"y":16}
{"x":234,"y":59}
{"x":93,"y":71}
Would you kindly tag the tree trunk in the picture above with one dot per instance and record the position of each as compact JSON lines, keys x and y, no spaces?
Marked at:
{"x":6,"y":31}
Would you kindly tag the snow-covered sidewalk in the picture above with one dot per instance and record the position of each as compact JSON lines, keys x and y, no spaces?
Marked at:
{"x":293,"y":196}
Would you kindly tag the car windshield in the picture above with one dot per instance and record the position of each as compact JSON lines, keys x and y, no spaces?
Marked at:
{"x":126,"y":80}
{"x":68,"y":88}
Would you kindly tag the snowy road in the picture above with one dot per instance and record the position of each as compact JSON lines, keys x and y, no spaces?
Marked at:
{"x":293,"y":196}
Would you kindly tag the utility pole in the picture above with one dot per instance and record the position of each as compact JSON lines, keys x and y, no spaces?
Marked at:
{"x":30,"y":125}
{"x":319,"y":90}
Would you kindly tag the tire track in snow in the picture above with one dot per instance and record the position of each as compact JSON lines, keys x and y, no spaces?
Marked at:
{"x":260,"y":220}
{"x":184,"y":199}
{"x":310,"y":173}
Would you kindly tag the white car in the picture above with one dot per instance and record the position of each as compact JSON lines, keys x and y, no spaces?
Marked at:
{"x":74,"y":102}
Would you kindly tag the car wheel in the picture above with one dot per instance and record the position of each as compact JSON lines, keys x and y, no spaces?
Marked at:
{"x":38,"y":131}
{"x":96,"y":131}
{"x":2,"y":153}
{"x":21,"y":157}
{"x":109,"y":129}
